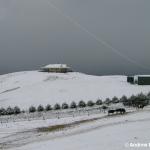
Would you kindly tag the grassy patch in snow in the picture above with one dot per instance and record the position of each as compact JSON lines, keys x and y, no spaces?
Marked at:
{"x":65,"y":126}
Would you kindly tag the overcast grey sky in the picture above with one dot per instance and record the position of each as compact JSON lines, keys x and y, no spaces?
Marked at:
{"x":33,"y":33}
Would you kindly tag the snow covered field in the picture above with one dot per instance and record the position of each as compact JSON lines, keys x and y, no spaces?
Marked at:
{"x":79,"y":130}
{"x":33,"y":88}
{"x":100,"y":132}
{"x":113,"y":134}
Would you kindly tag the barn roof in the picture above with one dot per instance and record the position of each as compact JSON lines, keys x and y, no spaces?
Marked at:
{"x":56,"y":66}
{"x":142,"y":75}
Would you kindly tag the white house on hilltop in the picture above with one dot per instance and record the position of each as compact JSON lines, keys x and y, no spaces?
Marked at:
{"x":57,"y":68}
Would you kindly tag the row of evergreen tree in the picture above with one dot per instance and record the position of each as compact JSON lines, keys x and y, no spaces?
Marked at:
{"x":134,"y":100}
{"x":57,"y":106}
{"x":10,"y":111}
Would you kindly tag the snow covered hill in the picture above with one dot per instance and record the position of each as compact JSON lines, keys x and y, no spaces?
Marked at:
{"x":33,"y":88}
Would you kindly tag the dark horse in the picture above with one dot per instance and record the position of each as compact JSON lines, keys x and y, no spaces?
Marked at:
{"x":111,"y":111}
{"x":118,"y":110}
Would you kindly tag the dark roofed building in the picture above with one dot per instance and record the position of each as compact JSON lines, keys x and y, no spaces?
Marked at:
{"x":139,"y":79}
{"x":57,"y":68}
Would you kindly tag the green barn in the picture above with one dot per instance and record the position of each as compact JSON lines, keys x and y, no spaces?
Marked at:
{"x":139,"y":79}
{"x":143,"y":80}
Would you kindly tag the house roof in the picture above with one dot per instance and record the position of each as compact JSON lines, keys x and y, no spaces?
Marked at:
{"x":56,"y":66}
{"x":142,"y":76}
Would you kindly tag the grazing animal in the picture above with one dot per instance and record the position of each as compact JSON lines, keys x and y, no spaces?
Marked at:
{"x":120,"y":110}
{"x":140,"y":106}
{"x":111,"y":111}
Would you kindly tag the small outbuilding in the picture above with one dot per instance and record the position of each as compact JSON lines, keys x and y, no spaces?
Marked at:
{"x":130,"y":79}
{"x":143,"y":80}
{"x":57,"y":68}
{"x":139,"y":79}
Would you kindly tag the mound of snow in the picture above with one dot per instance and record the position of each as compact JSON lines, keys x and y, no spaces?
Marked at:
{"x":33,"y":88}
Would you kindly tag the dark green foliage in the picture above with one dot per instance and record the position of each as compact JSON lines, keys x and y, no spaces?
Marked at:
{"x":82,"y":104}
{"x":48,"y":107}
{"x":90,"y":103}
{"x":32,"y":109}
{"x":2,"y":111}
{"x":40,"y":108}
{"x":65,"y":106}
{"x":17,"y":110}
{"x":99,"y":102}
{"x":115,"y":100}
{"x":148,"y":95}
{"x":57,"y":106}
{"x":123,"y":99}
{"x":10,"y":111}
{"x":104,"y":107}
{"x":107,"y":101}
{"x":139,"y":101}
{"x":73,"y":105}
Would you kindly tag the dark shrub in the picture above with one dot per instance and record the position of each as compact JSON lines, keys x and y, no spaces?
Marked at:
{"x":82,"y":104}
{"x":104,"y":107}
{"x":148,"y":94}
{"x":99,"y":102}
{"x":56,"y":106}
{"x":90,"y":103}
{"x":9,"y":111}
{"x":65,"y":106}
{"x":32,"y":109}
{"x":40,"y":108}
{"x":48,"y":107}
{"x":115,"y":100}
{"x":73,"y":105}
{"x":2,"y":111}
{"x":107,"y":101}
{"x":141,"y":99}
{"x":123,"y":99}
{"x":17,"y":110}
{"x":130,"y":101}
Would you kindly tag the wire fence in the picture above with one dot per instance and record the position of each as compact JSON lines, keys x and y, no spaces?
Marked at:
{"x":56,"y":114}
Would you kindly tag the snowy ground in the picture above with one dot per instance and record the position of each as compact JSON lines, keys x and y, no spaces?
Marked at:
{"x":79,"y":130}
{"x":100,"y":132}
{"x":34,"y":88}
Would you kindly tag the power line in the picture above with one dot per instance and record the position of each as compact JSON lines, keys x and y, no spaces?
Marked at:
{"x":125,"y":57}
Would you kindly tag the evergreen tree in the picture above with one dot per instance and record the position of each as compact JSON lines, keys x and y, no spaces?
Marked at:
{"x":115,"y":100}
{"x":107,"y":101}
{"x":99,"y":102}
{"x":32,"y":109}
{"x":2,"y":111}
{"x":82,"y":104}
{"x":9,"y":111}
{"x":73,"y":105}
{"x":65,"y":106}
{"x":48,"y":107}
{"x":40,"y":108}
{"x":17,"y":110}
{"x":90,"y":103}
{"x":57,"y":106}
{"x":123,"y":99}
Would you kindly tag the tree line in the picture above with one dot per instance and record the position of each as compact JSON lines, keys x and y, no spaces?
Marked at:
{"x":133,"y":101}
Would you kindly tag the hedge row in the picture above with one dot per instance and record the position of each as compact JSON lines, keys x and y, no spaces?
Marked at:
{"x":57,"y":106}
{"x":140,"y":99}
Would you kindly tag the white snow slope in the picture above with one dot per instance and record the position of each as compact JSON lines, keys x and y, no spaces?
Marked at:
{"x":33,"y":88}
{"x":108,"y":132}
